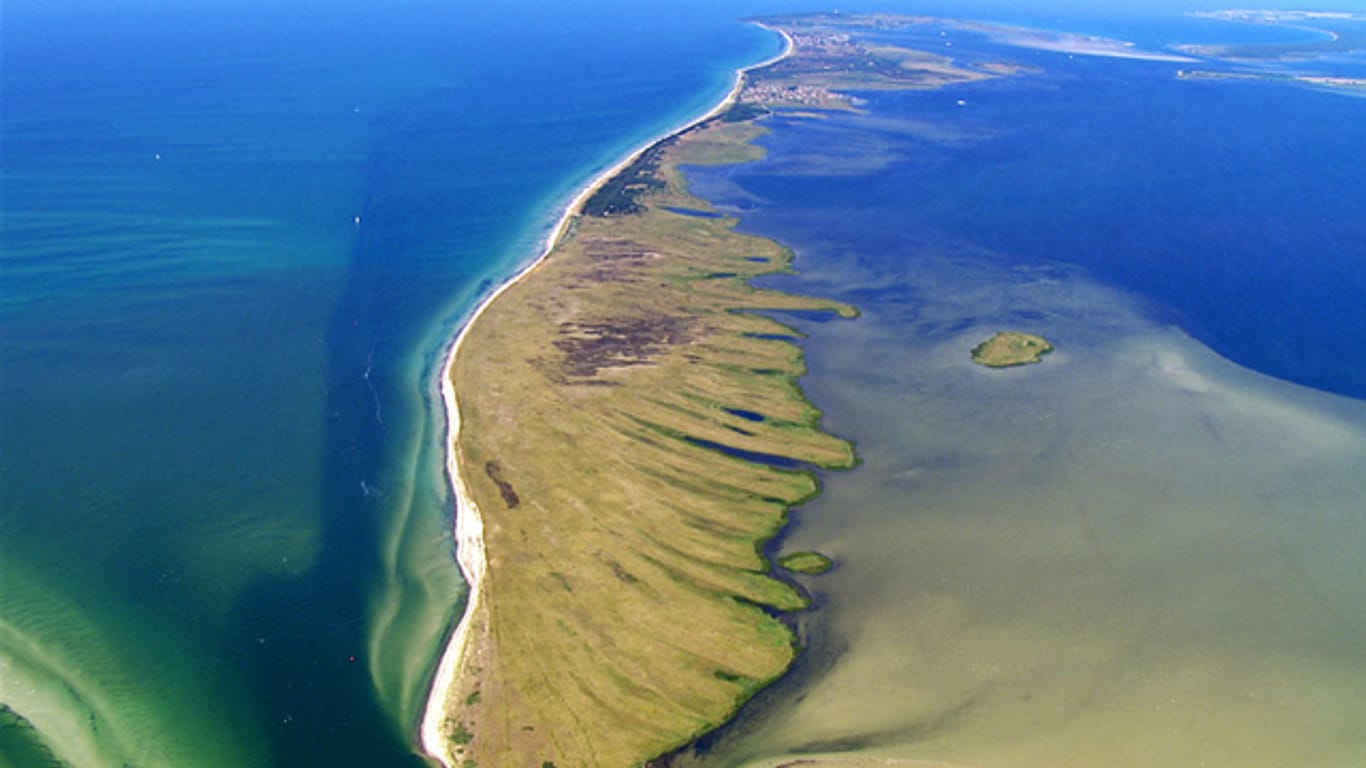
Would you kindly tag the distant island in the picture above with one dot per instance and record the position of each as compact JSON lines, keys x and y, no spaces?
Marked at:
{"x":1011,"y":348}
{"x":1325,"y":81}
{"x":1302,"y":63}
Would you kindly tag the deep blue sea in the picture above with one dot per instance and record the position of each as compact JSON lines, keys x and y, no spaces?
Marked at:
{"x":237,"y":237}
{"x":1237,"y":209}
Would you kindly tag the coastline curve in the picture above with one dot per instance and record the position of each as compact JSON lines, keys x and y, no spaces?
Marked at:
{"x":468,"y":522}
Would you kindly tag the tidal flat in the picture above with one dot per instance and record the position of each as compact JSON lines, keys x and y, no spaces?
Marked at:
{"x":1132,"y":553}
{"x":1135,"y":552}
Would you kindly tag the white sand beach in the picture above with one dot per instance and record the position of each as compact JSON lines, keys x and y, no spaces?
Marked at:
{"x":469,"y":525}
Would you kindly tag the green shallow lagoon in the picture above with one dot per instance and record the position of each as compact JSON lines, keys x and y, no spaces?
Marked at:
{"x":1134,"y":553}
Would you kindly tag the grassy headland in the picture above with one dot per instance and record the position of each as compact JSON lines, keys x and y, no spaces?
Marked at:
{"x":630,"y":433}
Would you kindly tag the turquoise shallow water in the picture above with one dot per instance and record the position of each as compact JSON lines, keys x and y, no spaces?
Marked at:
{"x":236,"y":239}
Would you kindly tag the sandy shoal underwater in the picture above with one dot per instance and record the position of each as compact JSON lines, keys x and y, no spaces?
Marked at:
{"x":1134,"y":553}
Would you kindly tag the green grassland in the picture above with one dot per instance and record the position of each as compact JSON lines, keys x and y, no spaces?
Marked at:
{"x":629,"y":608}
{"x":811,"y":563}
{"x":1011,"y":348}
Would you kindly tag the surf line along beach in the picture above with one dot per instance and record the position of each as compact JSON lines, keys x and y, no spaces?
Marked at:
{"x":469,"y":523}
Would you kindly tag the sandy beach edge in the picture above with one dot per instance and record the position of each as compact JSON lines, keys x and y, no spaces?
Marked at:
{"x":469,"y":524}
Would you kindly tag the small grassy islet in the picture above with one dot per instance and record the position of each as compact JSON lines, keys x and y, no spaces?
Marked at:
{"x":810,"y":563}
{"x":1011,"y":348}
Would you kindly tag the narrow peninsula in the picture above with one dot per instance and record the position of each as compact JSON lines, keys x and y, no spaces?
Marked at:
{"x":626,"y":432}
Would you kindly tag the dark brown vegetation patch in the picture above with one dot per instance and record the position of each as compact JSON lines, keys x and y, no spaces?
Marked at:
{"x":505,"y":489}
{"x":589,"y":347}
{"x":617,"y":261}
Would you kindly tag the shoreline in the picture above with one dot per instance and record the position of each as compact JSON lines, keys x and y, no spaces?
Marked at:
{"x":469,"y":525}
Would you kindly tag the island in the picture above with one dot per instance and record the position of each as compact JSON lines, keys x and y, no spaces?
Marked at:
{"x":625,"y":434}
{"x":1011,"y":348}
{"x":810,"y":563}
{"x":1339,"y":33}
